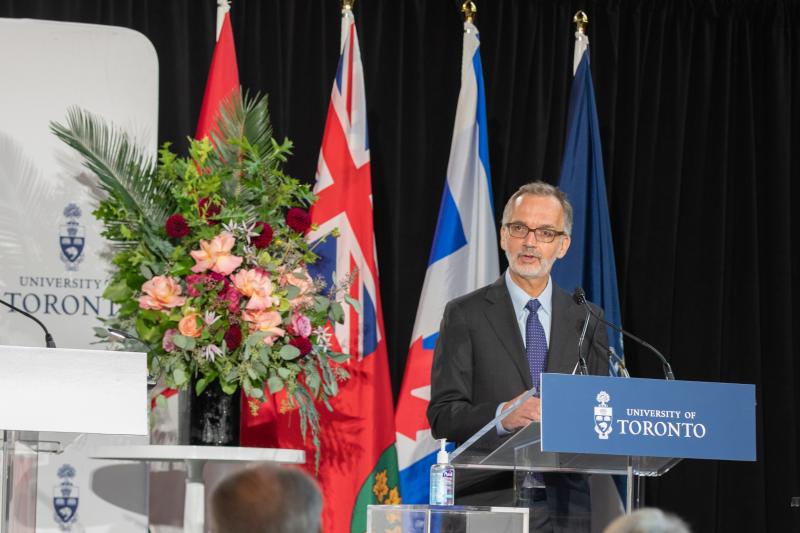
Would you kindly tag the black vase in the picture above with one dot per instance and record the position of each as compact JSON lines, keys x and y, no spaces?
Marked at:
{"x":210,"y":419}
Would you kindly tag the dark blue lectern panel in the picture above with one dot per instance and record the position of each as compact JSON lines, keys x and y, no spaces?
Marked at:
{"x":648,"y":417}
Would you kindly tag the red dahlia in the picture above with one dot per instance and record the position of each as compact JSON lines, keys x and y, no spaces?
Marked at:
{"x":298,"y":219}
{"x":263,"y":240}
{"x":176,"y":226}
{"x":302,"y":344}
{"x":233,"y":337}
{"x":209,"y":210}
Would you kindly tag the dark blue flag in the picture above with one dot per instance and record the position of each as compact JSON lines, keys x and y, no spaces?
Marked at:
{"x":590,"y":261}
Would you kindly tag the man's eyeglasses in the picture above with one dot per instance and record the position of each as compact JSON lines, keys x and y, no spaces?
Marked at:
{"x":520,"y":231}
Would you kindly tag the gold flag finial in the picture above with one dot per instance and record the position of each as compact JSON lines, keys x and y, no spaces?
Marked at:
{"x":348,"y":4}
{"x":581,"y":20}
{"x":469,"y":10}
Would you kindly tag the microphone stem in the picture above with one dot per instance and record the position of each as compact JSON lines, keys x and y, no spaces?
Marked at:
{"x":48,"y":338}
{"x":667,"y":368}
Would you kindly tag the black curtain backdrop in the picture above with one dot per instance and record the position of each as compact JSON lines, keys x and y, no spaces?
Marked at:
{"x":699,"y":103}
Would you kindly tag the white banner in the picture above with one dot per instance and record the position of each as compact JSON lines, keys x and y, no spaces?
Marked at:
{"x":53,"y":262}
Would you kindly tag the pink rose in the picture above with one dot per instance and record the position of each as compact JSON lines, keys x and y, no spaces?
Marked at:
{"x":191,"y":325}
{"x":301,"y":325}
{"x":216,"y":255}
{"x":300,"y":279}
{"x":161,"y":292}
{"x":166,"y":342}
{"x":267,"y":321}
{"x":256,"y":285}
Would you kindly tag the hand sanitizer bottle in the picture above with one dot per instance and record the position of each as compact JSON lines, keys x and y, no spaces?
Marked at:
{"x":442,"y":478}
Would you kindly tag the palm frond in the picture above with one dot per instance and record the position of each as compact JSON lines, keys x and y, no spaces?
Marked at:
{"x":124,"y":170}
{"x":243,"y":117}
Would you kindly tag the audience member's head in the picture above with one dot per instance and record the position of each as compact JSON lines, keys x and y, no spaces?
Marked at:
{"x":648,"y":521}
{"x":267,"y":499}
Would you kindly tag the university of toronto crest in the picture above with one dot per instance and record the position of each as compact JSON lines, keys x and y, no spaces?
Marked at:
{"x":603,"y":416}
{"x":71,"y":237}
{"x":65,"y":498}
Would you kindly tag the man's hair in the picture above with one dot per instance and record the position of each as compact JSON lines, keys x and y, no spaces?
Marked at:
{"x":267,"y":499}
{"x":540,"y":188}
{"x":648,"y":521}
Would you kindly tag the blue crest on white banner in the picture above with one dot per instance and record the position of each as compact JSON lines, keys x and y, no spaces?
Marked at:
{"x":648,"y":417}
{"x":72,"y":237}
{"x":65,"y":498}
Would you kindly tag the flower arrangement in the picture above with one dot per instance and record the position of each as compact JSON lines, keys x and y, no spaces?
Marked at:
{"x":211,"y":261}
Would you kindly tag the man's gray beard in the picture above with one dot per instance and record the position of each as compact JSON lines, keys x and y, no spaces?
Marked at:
{"x":531,"y":273}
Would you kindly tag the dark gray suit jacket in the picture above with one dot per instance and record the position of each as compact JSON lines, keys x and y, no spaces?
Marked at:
{"x":480,"y":362}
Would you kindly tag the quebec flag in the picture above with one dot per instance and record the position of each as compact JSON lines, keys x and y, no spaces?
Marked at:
{"x":463,"y":258}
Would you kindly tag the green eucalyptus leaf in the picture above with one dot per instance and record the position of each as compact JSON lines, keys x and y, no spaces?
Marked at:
{"x":284,"y":373}
{"x":275,"y":384}
{"x":321,"y":304}
{"x":313,"y":381}
{"x":228,"y":387}
{"x":201,"y":385}
{"x":179,"y":377}
{"x":258,"y":337}
{"x":183,"y":342}
{"x":292,"y":292}
{"x":289,"y":352}
{"x":336,"y":312}
{"x":256,"y":393}
{"x":353,"y":302}
{"x":339,"y":357}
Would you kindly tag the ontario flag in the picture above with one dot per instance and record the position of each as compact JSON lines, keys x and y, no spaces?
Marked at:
{"x":359,"y":461}
{"x":463,"y":258}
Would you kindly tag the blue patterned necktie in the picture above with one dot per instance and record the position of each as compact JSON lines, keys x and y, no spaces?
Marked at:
{"x":536,"y":351}
{"x":535,"y":343}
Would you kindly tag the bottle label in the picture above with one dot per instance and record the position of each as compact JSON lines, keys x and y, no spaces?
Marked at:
{"x":442,"y":486}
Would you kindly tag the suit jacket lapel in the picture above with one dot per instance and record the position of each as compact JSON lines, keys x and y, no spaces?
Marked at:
{"x":565,"y":330}
{"x":500,"y":314}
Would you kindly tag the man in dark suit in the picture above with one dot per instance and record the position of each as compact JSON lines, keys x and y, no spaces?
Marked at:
{"x":495,"y":342}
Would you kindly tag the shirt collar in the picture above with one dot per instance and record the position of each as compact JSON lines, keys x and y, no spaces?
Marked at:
{"x":520,"y":298}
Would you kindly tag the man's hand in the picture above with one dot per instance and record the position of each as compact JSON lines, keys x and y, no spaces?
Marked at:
{"x":529,"y":411}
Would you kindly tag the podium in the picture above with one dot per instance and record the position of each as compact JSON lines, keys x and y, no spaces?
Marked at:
{"x":60,"y":390}
{"x":607,"y":425}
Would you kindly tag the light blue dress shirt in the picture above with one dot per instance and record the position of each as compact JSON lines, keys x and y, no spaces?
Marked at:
{"x":519,"y":299}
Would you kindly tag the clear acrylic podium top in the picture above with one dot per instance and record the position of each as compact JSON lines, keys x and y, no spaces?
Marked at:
{"x":522,"y":451}
{"x":446,"y":519}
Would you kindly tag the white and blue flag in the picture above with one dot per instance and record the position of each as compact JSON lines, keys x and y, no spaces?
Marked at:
{"x":463,"y":258}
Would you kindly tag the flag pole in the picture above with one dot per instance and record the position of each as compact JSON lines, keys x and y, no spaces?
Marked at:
{"x":581,"y":20}
{"x":469,"y":10}
{"x":223,"y":6}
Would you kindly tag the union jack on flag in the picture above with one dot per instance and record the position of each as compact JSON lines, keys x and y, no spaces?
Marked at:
{"x":359,"y":460}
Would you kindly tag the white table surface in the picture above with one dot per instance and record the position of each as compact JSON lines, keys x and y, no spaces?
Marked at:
{"x":161,"y":452}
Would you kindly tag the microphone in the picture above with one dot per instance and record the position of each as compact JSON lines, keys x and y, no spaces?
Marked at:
{"x":48,"y":338}
{"x":582,"y":360}
{"x":580,"y":298}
